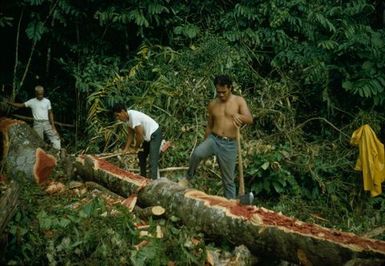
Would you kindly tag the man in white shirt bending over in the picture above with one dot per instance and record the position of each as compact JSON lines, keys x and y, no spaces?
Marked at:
{"x":43,"y":122}
{"x":148,"y":136}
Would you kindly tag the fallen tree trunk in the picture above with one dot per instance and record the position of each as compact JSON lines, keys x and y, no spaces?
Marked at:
{"x":264,"y":232}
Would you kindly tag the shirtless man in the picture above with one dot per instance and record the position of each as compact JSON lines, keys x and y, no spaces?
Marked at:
{"x":225,"y":114}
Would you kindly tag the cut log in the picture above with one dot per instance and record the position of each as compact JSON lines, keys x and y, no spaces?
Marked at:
{"x":9,"y":193}
{"x":264,"y":232}
{"x":129,"y":202}
{"x":92,"y":185}
{"x":44,"y":164}
{"x":22,"y":153}
{"x":149,"y":211}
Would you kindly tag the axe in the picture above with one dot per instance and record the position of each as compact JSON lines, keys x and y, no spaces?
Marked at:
{"x":244,"y":199}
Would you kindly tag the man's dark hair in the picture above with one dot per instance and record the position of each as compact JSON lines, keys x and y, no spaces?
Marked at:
{"x":223,"y":80}
{"x":117,"y":108}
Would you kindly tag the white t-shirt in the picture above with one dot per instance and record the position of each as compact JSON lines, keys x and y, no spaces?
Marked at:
{"x":137,"y":118}
{"x":39,"y":108}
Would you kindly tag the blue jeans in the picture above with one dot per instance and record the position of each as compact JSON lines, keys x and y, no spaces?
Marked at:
{"x":226,"y":153}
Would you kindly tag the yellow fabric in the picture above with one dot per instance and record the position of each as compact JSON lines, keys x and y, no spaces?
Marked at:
{"x":371,"y":159}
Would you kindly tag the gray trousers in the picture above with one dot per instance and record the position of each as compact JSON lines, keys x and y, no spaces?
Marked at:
{"x":151,"y":149}
{"x":226,"y":153}
{"x":44,"y":127}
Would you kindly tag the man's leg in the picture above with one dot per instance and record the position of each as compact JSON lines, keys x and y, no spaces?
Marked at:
{"x":52,"y":135}
{"x":156,"y":140}
{"x":227,"y":155}
{"x":39,"y":128}
{"x":142,"y":155}
{"x":204,"y":150}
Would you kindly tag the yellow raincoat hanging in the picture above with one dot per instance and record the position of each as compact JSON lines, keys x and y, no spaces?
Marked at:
{"x":371,"y":160}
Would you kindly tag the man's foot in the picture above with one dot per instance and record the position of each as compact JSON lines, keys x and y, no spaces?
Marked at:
{"x":183,"y":182}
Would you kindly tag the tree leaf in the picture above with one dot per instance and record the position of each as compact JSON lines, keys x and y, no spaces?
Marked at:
{"x":265,"y":165}
{"x":35,"y":30}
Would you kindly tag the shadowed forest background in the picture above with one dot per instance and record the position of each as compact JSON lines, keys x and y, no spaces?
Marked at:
{"x":311,"y":72}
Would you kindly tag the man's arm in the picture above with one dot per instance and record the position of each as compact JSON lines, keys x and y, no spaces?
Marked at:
{"x":130,"y":137}
{"x":244,"y":116}
{"x":52,"y":121}
{"x":17,"y":105}
{"x":139,"y":136}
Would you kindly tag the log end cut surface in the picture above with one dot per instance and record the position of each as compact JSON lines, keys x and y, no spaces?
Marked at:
{"x":6,"y":123}
{"x":44,"y":165}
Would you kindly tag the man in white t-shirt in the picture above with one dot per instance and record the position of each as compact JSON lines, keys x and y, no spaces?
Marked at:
{"x":148,"y":136}
{"x":43,"y":122}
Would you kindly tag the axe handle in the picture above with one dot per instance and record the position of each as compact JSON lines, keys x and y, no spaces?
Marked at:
{"x":240,"y":165}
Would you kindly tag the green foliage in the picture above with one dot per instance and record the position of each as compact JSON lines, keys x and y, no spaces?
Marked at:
{"x":270,"y":174}
{"x":143,"y":14}
{"x":34,"y":2}
{"x":190,"y":31}
{"x":82,"y":229}
{"x":5,"y":21}
{"x":314,"y":42}
{"x":35,"y":30}
{"x":160,"y":82}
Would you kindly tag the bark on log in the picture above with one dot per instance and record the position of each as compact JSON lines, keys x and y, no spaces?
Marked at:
{"x":9,"y":193}
{"x":264,"y":232}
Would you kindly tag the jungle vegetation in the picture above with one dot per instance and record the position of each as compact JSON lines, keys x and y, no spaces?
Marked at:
{"x":311,"y":71}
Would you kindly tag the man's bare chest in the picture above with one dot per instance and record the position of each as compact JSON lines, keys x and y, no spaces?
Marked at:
{"x":224,"y":111}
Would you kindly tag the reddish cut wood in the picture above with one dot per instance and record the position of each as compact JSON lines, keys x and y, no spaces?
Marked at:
{"x":44,"y":165}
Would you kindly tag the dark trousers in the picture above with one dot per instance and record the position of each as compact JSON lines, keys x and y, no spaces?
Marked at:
{"x":151,"y":148}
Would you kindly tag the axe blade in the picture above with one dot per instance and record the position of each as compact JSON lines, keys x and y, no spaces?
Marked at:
{"x":246,"y":199}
